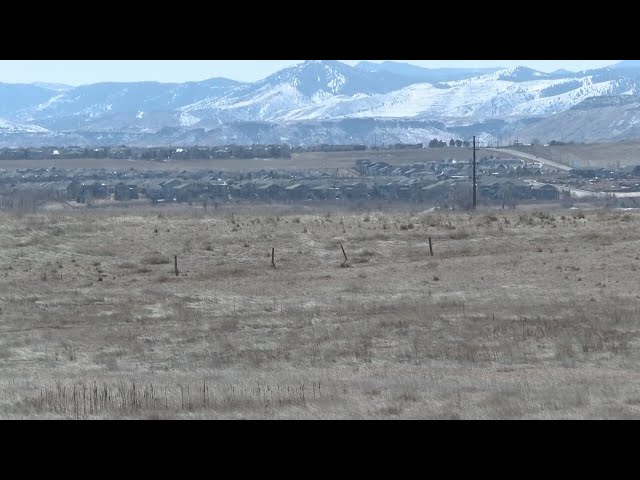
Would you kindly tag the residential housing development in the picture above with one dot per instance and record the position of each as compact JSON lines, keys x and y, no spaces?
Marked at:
{"x":446,"y":182}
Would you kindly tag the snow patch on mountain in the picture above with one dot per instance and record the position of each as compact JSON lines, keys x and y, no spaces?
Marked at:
{"x":336,"y":80}
{"x":11,"y":127}
{"x":319,"y":110}
{"x":269,"y":103}
{"x":49,"y":102}
{"x":188,"y":120}
{"x":557,"y":103}
{"x":321,"y":96}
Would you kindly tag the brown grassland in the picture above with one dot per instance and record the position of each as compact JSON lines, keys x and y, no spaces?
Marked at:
{"x":605,"y":155}
{"x":298,"y":161}
{"x":526,"y":315}
{"x":610,"y":154}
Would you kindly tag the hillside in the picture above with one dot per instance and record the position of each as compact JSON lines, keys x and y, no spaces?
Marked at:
{"x":596,"y":119}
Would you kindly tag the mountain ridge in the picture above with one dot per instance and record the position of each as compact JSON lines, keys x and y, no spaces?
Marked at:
{"x":312,"y":91}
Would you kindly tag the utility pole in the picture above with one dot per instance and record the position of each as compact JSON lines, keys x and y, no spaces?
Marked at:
{"x":474,"y":172}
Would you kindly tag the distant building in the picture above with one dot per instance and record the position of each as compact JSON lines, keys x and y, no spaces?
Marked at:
{"x":123,"y":191}
{"x":544,"y":192}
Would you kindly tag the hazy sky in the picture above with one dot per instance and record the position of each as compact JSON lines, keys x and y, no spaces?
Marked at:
{"x":82,"y":72}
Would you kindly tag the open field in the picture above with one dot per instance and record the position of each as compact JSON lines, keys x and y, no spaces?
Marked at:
{"x":348,"y":159}
{"x":517,"y":315}
{"x":121,"y":164}
{"x":609,"y":155}
{"x":307,"y":160}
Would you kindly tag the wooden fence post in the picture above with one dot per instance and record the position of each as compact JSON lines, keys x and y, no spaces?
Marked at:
{"x":273,"y":257}
{"x":175,"y":264}
{"x":430,"y":247}
{"x":344,"y":264}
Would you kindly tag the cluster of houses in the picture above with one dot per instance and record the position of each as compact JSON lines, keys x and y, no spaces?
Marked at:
{"x":497,"y":188}
{"x":628,"y":171}
{"x":451,"y":168}
{"x":495,"y":179}
{"x":377,"y":181}
{"x":435,"y":182}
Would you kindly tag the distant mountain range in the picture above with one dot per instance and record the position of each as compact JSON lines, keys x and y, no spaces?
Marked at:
{"x":331,"y":102}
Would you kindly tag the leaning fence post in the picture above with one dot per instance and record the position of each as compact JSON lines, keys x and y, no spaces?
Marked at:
{"x":430,"y":247}
{"x":344,"y":264}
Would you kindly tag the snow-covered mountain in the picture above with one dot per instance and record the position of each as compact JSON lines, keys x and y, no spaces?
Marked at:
{"x":481,"y":97}
{"x":88,"y":103}
{"x":310,"y":83}
{"x":332,"y":90}
{"x":312,"y":93}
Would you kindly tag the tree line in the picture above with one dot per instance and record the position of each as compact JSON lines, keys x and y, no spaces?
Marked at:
{"x":436,"y":143}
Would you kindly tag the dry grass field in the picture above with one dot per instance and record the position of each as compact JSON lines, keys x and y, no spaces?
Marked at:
{"x":307,"y":160}
{"x":609,"y":154}
{"x":606,"y":155}
{"x":348,"y":159}
{"x":525,"y":315}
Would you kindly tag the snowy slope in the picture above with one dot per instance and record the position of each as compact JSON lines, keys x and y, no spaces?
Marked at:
{"x":94,"y":101}
{"x":306,"y":84}
{"x":7,"y":127}
{"x":317,"y":90}
{"x":481,"y":97}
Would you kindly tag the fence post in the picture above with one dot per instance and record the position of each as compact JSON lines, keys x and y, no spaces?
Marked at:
{"x":344,"y":264}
